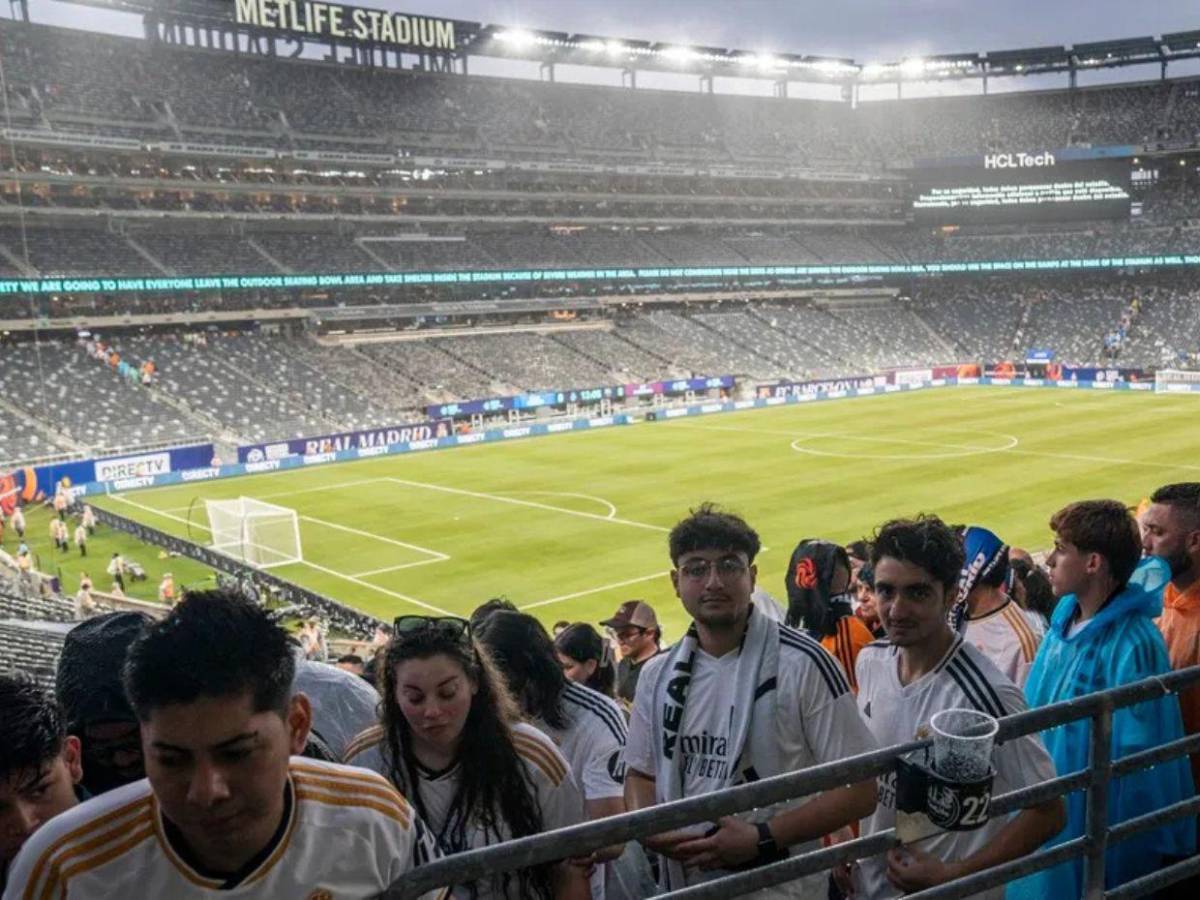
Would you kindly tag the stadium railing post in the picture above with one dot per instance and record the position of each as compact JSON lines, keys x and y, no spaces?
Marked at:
{"x":1098,"y":707}
{"x":1096,"y":829}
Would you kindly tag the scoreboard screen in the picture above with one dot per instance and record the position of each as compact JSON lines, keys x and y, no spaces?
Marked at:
{"x":1010,"y":188}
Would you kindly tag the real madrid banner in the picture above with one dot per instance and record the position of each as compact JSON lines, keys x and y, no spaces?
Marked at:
{"x":320,"y":19}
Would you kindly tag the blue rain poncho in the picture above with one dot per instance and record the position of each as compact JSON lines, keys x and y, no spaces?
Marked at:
{"x":1120,"y":645}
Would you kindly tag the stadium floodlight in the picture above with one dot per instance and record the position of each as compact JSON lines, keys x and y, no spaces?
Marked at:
{"x":518,"y":37}
{"x":680,"y":54}
{"x":616,"y":48}
{"x":828,"y":67}
{"x":763,"y":61}
{"x":592,"y":46}
{"x":912,"y":67}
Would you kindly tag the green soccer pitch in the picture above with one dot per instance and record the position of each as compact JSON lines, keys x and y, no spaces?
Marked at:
{"x":569,"y":526}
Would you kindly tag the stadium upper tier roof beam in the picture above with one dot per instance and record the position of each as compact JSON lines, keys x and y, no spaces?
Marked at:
{"x":551,"y":47}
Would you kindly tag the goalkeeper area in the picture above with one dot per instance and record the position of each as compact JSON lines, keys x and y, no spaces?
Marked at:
{"x":569,"y":526}
{"x":261,"y":534}
{"x":1173,"y":381}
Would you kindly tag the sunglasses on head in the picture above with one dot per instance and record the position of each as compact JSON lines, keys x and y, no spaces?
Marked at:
{"x":453,"y":625}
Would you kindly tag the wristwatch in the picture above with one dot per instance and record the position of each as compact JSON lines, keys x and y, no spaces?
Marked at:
{"x":768,"y":850}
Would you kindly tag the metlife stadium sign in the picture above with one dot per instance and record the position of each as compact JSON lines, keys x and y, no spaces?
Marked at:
{"x":334,"y":20}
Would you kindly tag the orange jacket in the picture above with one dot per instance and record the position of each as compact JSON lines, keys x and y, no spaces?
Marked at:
{"x":1180,"y":627}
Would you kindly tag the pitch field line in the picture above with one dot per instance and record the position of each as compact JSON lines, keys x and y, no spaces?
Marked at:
{"x":326,"y":487}
{"x":612,"y":507}
{"x":386,"y":569}
{"x":353,"y":579}
{"x":610,"y":587}
{"x":500,"y":498}
{"x":595,"y":590}
{"x":964,"y":450}
{"x":1136,"y":463}
{"x":437,"y":556}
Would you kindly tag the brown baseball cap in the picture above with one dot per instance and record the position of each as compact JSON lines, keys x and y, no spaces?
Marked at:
{"x":638,"y":613}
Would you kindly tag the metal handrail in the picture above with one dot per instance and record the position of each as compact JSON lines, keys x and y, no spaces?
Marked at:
{"x":581,"y":839}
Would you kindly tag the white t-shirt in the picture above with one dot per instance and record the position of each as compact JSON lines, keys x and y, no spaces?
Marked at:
{"x":817,"y":722}
{"x":899,"y":713}
{"x":348,"y":834}
{"x":556,"y":793}
{"x":1009,"y":638}
{"x":593,"y":741}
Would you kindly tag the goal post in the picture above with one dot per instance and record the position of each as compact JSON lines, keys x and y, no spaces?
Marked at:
{"x":259,"y":534}
{"x":1176,"y":381}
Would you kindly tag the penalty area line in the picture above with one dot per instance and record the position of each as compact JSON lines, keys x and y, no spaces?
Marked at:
{"x":500,"y":498}
{"x":314,"y":566}
{"x":597,"y":590}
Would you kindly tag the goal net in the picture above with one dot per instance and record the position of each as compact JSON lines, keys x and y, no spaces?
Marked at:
{"x":1172,"y":381}
{"x":259,"y":534}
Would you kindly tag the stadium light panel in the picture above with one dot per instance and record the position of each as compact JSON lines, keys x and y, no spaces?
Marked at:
{"x":912,"y":67}
{"x":518,"y":38}
{"x":680,"y":54}
{"x":614,"y":48}
{"x":593,"y":46}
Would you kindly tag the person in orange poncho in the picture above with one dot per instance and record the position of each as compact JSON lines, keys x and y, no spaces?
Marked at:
{"x":1171,"y":530}
{"x":820,"y":602}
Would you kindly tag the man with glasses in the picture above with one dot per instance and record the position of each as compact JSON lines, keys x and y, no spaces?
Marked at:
{"x":739,"y":698}
{"x":634,"y":627}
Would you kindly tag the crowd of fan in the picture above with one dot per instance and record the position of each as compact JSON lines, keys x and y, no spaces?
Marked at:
{"x":138,"y":252}
{"x":123,"y":84}
{"x":58,"y":396}
{"x":250,"y":761}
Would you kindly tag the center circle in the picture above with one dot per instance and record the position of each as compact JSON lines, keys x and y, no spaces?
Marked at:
{"x":953,"y":451}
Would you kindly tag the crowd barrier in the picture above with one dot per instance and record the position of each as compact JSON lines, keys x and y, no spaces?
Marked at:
{"x":580,"y":840}
{"x":514,"y":432}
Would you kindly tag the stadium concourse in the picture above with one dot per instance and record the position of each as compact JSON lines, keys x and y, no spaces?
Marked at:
{"x":248,"y":303}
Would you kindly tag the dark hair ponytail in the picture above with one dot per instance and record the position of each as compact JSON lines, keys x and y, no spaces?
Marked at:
{"x":581,"y":642}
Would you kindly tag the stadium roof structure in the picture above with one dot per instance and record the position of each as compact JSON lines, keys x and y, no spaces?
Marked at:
{"x":553,"y":47}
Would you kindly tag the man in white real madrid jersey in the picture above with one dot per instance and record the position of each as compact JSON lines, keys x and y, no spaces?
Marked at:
{"x":739,"y":698}
{"x":226,"y":809}
{"x":923,"y":668}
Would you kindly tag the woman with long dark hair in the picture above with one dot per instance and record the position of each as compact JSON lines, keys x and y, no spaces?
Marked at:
{"x":588,"y":727}
{"x":451,"y":741}
{"x":586,"y":658}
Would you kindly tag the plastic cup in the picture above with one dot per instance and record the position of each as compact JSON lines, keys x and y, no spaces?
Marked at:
{"x":962,"y":744}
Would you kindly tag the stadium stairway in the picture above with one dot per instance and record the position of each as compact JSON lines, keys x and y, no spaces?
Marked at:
{"x":604,"y":364}
{"x":33,"y":648}
{"x":258,"y":248}
{"x":365,"y":247}
{"x":952,"y":352}
{"x":147,"y":256}
{"x":17,"y":262}
{"x":819,"y":351}
{"x":58,"y":440}
{"x":649,"y":351}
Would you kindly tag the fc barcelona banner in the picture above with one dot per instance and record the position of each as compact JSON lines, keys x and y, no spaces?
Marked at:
{"x":319,"y":19}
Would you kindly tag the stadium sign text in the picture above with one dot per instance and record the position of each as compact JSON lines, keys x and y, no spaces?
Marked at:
{"x":353,"y":23}
{"x":1017,"y":160}
{"x":133,"y":466}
